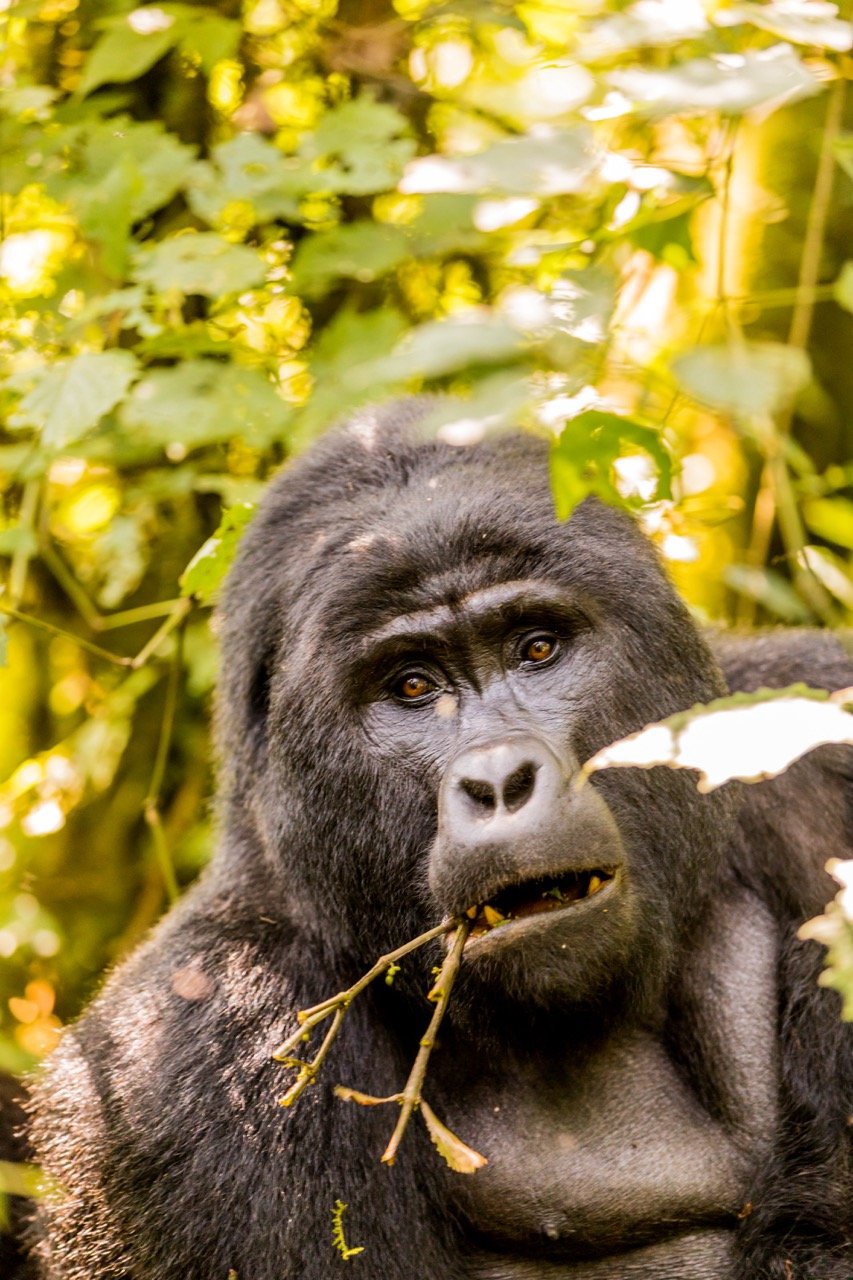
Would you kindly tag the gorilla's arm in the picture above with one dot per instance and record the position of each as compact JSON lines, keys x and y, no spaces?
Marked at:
{"x":158,"y":1119}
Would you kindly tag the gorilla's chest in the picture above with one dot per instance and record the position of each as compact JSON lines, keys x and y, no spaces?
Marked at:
{"x":621,"y":1158}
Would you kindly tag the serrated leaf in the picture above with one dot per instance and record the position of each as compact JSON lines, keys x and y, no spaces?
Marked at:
{"x":359,"y":147}
{"x":747,"y":736}
{"x":204,"y":574}
{"x":72,"y":396}
{"x":748,"y":379}
{"x":199,"y":262}
{"x":808,"y":22}
{"x":361,"y":250}
{"x":558,"y":165}
{"x":201,"y":402}
{"x":458,"y":1155}
{"x":248,"y":168}
{"x":122,"y":54}
{"x":763,"y":80}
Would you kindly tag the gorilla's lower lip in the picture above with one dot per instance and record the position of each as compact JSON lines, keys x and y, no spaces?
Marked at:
{"x":535,"y":898}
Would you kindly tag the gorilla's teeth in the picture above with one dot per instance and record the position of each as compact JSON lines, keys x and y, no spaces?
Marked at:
{"x":595,"y":883}
{"x":493,"y":917}
{"x":472,"y":913}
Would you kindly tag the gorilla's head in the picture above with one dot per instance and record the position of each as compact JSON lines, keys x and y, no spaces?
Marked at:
{"x":417,"y":658}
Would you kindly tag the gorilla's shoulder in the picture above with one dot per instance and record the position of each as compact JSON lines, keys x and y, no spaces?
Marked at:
{"x":773,"y":659}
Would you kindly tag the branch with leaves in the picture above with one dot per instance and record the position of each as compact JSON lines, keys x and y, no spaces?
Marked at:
{"x":459,"y":1156}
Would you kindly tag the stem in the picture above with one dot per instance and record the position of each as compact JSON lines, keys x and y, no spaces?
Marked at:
{"x":338,"y":1005}
{"x":129,"y":617}
{"x":41,"y":625}
{"x":72,"y":588}
{"x":151,"y":805}
{"x":21,"y":558}
{"x":175,"y":618}
{"x":411,"y":1097}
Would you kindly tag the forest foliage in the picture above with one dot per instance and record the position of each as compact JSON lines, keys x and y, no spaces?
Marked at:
{"x":223,"y":226}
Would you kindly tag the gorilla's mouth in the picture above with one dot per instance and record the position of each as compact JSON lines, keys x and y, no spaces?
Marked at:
{"x":537,"y":897}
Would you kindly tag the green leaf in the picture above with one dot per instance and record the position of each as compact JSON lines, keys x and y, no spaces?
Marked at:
{"x":815,"y":24}
{"x":636,"y":28}
{"x":359,"y":147}
{"x":583,"y":459}
{"x":460,"y":1157}
{"x":441,"y":347}
{"x":843,"y":288}
{"x":249,"y":169}
{"x":748,"y":379}
{"x":832,"y":519}
{"x":361,"y":250}
{"x":748,"y":736}
{"x":834,"y":930}
{"x":773,"y":592}
{"x":561,"y":164}
{"x":210,"y":37}
{"x":203,"y":575}
{"x":122,"y":54}
{"x":762,"y":79}
{"x":201,"y":402}
{"x":199,"y":262}
{"x":70,"y":398}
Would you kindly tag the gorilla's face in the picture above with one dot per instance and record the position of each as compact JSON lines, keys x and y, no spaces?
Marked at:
{"x":424,"y":657}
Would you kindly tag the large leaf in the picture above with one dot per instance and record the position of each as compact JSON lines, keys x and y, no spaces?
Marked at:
{"x":440,"y":347}
{"x":764,"y":79}
{"x":123,"y":53}
{"x":746,"y":379}
{"x":360,"y":146}
{"x":832,"y":519}
{"x":654,"y":22}
{"x":361,"y":250}
{"x":561,"y":164}
{"x":203,"y":401}
{"x":70,"y":398}
{"x":767,"y":588}
{"x":810,"y":22}
{"x":249,"y":169}
{"x":199,"y":262}
{"x":748,"y":736}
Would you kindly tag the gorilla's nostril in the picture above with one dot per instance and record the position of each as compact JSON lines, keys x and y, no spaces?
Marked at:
{"x":518,"y":787}
{"x":482,"y":793}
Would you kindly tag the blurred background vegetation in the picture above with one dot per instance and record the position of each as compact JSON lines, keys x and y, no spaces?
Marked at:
{"x":223,"y":225}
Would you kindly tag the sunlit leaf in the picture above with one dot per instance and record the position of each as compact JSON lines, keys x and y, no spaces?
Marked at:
{"x":556,"y":165}
{"x":747,"y":736}
{"x":458,"y":1155}
{"x":583,"y":457}
{"x":359,"y":147}
{"x":834,"y":929}
{"x":654,"y":22}
{"x":249,"y":169}
{"x":70,"y":398}
{"x":762,"y":79}
{"x":199,"y":263}
{"x":809,"y":22}
{"x":202,"y":401}
{"x":831,"y":518}
{"x":203,"y":575}
{"x":361,"y":250}
{"x":747,"y":379}
{"x":444,"y":346}
{"x":122,"y":54}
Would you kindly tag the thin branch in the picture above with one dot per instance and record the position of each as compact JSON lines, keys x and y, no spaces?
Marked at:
{"x":41,"y":625}
{"x":337,"y":1006}
{"x":174,"y":619}
{"x":411,"y":1096}
{"x":22,"y":556}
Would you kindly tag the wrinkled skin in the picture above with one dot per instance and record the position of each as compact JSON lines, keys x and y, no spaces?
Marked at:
{"x":416,"y":657}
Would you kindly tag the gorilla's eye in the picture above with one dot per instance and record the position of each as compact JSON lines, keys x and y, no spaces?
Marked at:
{"x":539,"y":649}
{"x":413,"y":685}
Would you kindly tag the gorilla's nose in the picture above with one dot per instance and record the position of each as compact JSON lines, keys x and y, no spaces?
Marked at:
{"x":499,"y":792}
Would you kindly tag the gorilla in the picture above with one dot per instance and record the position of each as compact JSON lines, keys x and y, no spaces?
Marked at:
{"x":417,"y":659}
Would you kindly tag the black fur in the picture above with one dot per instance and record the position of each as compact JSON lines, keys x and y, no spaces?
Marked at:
{"x":158,"y":1114}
